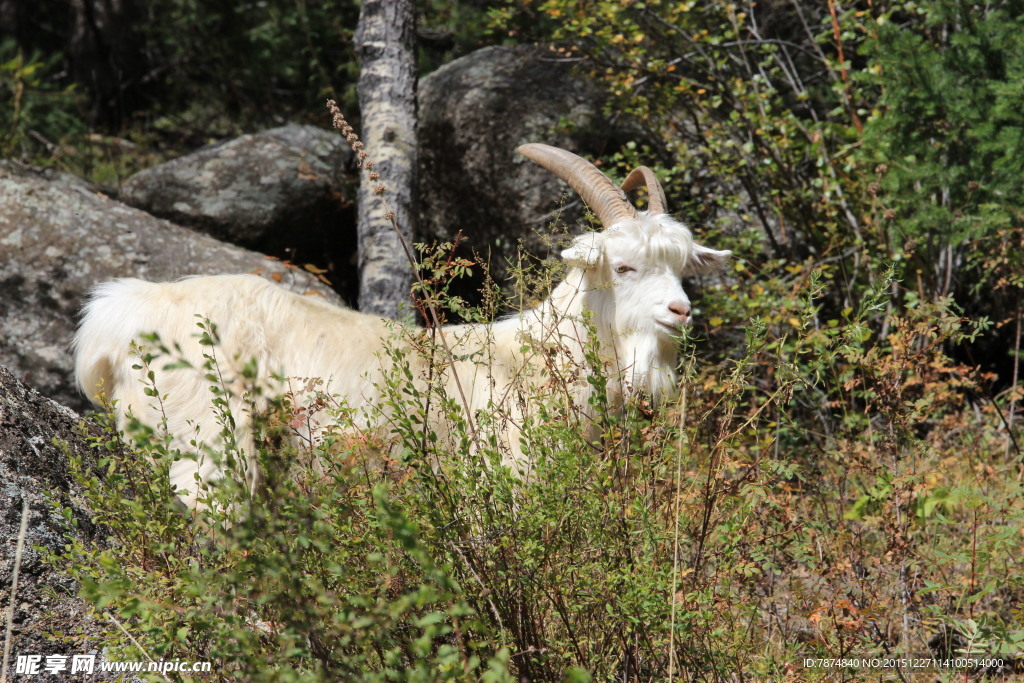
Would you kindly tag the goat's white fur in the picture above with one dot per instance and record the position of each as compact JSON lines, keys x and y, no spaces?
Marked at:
{"x":627,"y":277}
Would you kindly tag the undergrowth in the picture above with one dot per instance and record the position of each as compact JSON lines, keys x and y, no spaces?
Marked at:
{"x":828,"y":492}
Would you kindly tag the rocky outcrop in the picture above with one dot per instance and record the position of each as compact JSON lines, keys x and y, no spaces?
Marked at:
{"x":286,"y":191}
{"x":59,"y":238}
{"x":34,"y":432}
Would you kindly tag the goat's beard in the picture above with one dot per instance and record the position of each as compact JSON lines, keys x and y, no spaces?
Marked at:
{"x":648,"y":365}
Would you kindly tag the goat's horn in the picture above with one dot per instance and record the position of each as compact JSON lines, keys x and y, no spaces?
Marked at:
{"x":641,"y":176}
{"x":607,"y":201}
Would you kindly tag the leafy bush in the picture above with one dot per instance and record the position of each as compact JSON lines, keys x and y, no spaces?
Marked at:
{"x":948,"y":138}
{"x":827,"y":493}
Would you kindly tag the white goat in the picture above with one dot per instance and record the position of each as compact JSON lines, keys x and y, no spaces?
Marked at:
{"x":627,"y":277}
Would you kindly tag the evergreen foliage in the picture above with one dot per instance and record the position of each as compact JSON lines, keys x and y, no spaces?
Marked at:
{"x":950,"y":132}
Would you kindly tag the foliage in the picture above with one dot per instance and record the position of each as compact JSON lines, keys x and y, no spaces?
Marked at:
{"x":839,"y":477}
{"x":229,"y":60}
{"x":126,"y":85}
{"x":448,"y":30}
{"x":827,"y":493}
{"x":171,"y":76}
{"x":40,"y":113}
{"x":950,"y":135}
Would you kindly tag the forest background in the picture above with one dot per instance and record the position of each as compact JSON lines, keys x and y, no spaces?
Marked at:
{"x":842,"y":474}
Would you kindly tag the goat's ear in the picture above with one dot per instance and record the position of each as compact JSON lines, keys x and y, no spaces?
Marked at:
{"x":585,"y":250}
{"x":704,"y":260}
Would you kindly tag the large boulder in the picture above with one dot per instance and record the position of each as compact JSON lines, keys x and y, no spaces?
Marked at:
{"x":34,"y":472}
{"x":59,"y":238}
{"x":474,"y":113}
{"x":285,"y":191}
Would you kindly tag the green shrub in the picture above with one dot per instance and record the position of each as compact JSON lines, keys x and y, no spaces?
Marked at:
{"x":834,"y":479}
{"x":948,"y":144}
{"x":827,"y":493}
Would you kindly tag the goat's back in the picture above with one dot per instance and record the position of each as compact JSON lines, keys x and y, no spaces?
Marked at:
{"x":286,"y":334}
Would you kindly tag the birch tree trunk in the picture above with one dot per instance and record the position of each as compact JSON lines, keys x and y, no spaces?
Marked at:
{"x":387,"y":97}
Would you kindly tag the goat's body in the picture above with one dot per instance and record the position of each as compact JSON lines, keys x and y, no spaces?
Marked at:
{"x":283,"y":333}
{"x":300,"y":337}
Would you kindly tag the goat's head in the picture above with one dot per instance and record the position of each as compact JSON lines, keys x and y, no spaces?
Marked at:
{"x":632,"y":271}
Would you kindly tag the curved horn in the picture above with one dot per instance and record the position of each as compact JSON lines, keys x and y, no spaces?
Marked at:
{"x":641,"y":176}
{"x":608,"y":202}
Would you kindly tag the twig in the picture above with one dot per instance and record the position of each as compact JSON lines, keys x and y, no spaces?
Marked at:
{"x":675,"y":539}
{"x":137,"y":644}
{"x":14,"y":587}
{"x":357,"y":147}
{"x":1016,"y":378}
{"x":484,"y":592}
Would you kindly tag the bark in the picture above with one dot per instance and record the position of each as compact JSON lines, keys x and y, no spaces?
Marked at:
{"x":387,"y":98}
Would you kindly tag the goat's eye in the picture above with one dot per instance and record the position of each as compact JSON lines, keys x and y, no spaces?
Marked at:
{"x":623,"y":268}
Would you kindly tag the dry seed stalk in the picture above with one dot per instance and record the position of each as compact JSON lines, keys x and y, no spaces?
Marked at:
{"x":364,"y":162}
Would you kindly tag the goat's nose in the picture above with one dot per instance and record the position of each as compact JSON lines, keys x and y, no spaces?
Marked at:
{"x":681,"y":309}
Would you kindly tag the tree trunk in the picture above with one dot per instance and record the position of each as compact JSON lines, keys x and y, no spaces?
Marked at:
{"x":387,"y":98}
{"x":106,"y":55}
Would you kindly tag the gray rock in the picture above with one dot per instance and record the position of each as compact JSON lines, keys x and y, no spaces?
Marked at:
{"x":285,"y":191}
{"x":58,"y":239}
{"x":474,"y":112}
{"x":34,"y":470}
{"x":327,"y":146}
